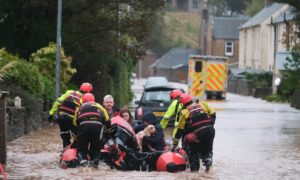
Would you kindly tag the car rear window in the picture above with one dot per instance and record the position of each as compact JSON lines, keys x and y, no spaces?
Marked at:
{"x":159,"y":95}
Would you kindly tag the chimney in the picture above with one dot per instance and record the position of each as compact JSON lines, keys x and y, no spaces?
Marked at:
{"x":268,"y":2}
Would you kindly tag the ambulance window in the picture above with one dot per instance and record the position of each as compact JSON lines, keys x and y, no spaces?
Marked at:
{"x":198,"y":66}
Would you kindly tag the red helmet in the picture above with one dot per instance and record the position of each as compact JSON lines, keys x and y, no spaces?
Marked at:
{"x":175,"y":93}
{"x":88,"y":97}
{"x":191,"y":138}
{"x":86,"y":87}
{"x":185,"y":99}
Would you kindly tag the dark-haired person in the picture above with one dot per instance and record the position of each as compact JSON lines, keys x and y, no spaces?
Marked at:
{"x":126,"y":114}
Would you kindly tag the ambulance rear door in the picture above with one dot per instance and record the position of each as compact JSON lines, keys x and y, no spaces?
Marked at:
{"x":196,"y":84}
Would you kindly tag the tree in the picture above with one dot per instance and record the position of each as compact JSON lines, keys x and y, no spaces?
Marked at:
{"x":218,"y":7}
{"x":227,"y":7}
{"x":294,"y":3}
{"x":236,"y":6}
{"x":290,"y":74}
{"x":93,"y":32}
{"x":254,"y":7}
{"x":4,"y":68}
{"x":44,"y":58}
{"x":26,"y":25}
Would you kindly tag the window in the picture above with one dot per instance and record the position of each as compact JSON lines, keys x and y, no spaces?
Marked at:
{"x":198,"y":66}
{"x":229,"y":48}
{"x":195,"y":4}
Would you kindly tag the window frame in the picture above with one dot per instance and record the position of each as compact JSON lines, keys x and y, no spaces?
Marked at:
{"x":232,"y":48}
{"x":195,"y":4}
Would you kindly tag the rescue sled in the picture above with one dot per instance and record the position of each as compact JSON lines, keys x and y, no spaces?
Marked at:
{"x":69,"y":159}
{"x":171,"y":162}
{"x":121,"y":152}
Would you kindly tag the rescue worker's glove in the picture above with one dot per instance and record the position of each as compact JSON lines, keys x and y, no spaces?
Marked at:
{"x":175,"y":144}
{"x":50,"y":118}
{"x":213,"y":118}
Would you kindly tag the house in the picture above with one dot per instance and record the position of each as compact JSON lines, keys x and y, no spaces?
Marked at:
{"x":223,"y":37}
{"x":260,"y":38}
{"x":173,"y":64}
{"x":142,"y":67}
{"x":194,"y":6}
{"x":285,"y":36}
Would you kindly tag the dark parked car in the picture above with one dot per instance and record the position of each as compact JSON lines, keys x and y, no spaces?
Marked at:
{"x":155,"y":99}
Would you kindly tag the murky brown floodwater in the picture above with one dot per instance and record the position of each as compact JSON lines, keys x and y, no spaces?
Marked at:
{"x":254,"y":140}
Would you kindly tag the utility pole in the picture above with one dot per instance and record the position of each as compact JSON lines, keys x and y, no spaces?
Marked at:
{"x":140,"y":68}
{"x":274,"y":72}
{"x":204,"y":29}
{"x":58,"y":45}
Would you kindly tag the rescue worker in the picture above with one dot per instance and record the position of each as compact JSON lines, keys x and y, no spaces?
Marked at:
{"x":108,"y":104}
{"x":64,"y":108}
{"x":174,"y":108}
{"x":90,"y":118}
{"x":156,"y":141}
{"x":196,"y":120}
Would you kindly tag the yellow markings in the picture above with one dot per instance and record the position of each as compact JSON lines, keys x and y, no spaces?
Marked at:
{"x":215,"y":77}
{"x":159,"y":113}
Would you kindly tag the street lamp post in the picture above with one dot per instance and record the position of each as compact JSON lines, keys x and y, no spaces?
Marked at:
{"x":58,"y":46}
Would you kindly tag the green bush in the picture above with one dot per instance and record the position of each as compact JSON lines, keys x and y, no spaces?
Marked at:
{"x":24,"y":80}
{"x":45,"y":60}
{"x":290,"y":75}
{"x":261,"y":79}
{"x":277,"y":98}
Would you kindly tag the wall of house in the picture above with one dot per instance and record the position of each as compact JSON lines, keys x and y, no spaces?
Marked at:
{"x":146,"y":61}
{"x":217,"y":48}
{"x":257,"y":45}
{"x":174,"y":75}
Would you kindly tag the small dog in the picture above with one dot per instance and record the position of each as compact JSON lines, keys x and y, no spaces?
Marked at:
{"x":148,"y":131}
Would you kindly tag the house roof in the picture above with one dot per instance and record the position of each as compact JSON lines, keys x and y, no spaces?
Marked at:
{"x":227,"y":27}
{"x":175,"y":58}
{"x":261,"y":16}
{"x":289,"y":14}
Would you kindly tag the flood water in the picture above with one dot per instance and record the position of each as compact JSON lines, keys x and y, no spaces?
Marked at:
{"x":254,"y":140}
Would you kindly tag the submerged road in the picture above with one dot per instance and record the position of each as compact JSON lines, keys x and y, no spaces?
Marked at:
{"x":254,"y":140}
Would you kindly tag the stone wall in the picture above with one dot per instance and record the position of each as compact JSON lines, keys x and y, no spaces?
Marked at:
{"x":262,"y":92}
{"x":247,"y":88}
{"x":20,"y":121}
